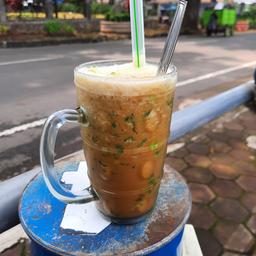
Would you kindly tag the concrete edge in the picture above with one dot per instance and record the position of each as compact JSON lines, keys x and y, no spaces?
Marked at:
{"x":12,"y":44}
{"x":11,"y":237}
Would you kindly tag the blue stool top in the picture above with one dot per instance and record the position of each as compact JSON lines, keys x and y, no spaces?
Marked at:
{"x":41,"y":215}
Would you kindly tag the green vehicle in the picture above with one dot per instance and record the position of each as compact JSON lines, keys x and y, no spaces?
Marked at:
{"x":219,"y":21}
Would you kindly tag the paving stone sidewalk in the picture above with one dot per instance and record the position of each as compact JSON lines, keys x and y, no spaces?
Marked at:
{"x":219,"y":163}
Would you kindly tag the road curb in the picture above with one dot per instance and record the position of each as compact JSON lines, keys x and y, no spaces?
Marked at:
{"x":12,"y":44}
{"x":58,"y":41}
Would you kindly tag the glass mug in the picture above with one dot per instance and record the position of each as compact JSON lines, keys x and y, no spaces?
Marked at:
{"x":125,"y":125}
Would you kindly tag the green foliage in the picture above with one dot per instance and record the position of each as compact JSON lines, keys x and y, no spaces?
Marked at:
{"x":52,"y":26}
{"x":69,"y":7}
{"x":55,"y":27}
{"x":77,"y":3}
{"x":100,"y":8}
{"x":250,"y":16}
{"x":252,"y":23}
{"x":117,"y":16}
{"x":152,"y":12}
{"x":68,"y":29}
{"x":4,"y":29}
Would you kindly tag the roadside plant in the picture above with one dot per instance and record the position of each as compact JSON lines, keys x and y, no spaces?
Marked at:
{"x":117,"y":16}
{"x":68,"y":29}
{"x":56,"y":28}
{"x":52,"y":27}
{"x":69,"y":7}
{"x":250,"y":16}
{"x":4,"y":29}
{"x":98,"y":8}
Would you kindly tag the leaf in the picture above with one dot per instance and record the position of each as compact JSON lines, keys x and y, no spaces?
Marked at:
{"x":152,"y":181}
{"x":130,"y":120}
{"x":102,"y":164}
{"x":112,"y":114}
{"x":157,"y":152}
{"x":119,"y":149}
{"x":169,"y":103}
{"x":153,"y":146}
{"x":114,"y":73}
{"x":95,"y":139}
{"x":142,"y":142}
{"x":146,"y":113}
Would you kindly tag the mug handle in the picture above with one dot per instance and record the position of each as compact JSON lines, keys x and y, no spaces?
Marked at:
{"x":47,"y":145}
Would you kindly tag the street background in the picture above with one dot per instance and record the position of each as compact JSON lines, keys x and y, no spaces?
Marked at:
{"x":36,"y":82}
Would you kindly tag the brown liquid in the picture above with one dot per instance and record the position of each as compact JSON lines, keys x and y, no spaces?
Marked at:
{"x":125,"y":144}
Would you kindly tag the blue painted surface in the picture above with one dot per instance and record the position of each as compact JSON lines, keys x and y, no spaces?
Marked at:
{"x":38,"y":250}
{"x":172,"y":248}
{"x":41,"y":215}
{"x":189,"y":119}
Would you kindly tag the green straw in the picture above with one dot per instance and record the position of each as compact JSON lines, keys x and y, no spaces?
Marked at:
{"x":137,"y":32}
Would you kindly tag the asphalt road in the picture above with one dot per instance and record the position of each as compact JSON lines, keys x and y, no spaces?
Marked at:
{"x":34,"y":82}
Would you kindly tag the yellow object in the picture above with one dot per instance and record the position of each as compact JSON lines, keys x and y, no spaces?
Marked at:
{"x":41,"y":15}
{"x":3,"y":29}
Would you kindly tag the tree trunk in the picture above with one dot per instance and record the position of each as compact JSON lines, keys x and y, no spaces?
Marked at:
{"x":48,"y":7}
{"x":112,"y":2}
{"x":190,"y":23}
{"x":87,"y":9}
{"x":56,"y":9}
{"x":2,"y":11}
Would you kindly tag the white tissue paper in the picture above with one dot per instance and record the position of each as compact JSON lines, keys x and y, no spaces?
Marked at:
{"x":81,"y":217}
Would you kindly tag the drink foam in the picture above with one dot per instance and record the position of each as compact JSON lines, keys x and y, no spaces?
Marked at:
{"x":127,"y":70}
{"x":123,"y":79}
